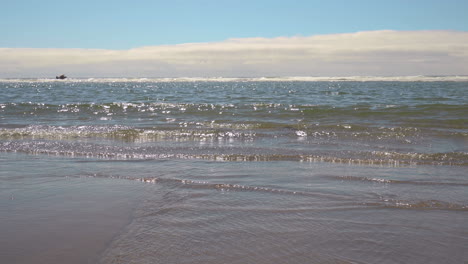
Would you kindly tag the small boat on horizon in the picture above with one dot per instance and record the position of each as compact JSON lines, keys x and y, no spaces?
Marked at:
{"x":61,"y":77}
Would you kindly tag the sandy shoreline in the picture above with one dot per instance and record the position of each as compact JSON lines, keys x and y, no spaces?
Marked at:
{"x":67,"y":220}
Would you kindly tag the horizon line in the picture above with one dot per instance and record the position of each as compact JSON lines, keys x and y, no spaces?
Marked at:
{"x":245,"y":78}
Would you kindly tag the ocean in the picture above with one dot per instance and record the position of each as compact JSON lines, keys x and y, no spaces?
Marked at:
{"x":234,"y":170}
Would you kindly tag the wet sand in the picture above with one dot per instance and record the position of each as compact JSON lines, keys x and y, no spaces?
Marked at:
{"x":71,"y":210}
{"x":68,"y":220}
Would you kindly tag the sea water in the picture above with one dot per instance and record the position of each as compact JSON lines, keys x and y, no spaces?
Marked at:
{"x":266,"y":170}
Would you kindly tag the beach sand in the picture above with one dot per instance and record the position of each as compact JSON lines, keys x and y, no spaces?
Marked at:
{"x":68,"y":220}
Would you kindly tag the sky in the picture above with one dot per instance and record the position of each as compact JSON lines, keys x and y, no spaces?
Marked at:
{"x":139,"y":38}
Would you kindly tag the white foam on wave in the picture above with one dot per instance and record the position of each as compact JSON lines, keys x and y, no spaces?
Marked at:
{"x":462,"y":78}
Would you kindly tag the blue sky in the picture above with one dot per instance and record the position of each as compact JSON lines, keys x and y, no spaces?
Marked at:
{"x":119,"y":24}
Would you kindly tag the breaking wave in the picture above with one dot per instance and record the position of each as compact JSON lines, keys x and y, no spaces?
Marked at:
{"x":417,"y":78}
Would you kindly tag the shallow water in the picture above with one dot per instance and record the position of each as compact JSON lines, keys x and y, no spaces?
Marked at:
{"x":234,"y":171}
{"x":50,"y":213}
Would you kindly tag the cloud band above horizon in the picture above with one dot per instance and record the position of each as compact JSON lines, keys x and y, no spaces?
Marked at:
{"x":377,"y":53}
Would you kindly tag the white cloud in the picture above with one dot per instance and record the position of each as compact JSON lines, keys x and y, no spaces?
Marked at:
{"x":363,"y":53}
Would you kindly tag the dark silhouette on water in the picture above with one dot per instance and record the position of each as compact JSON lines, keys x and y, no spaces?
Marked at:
{"x":61,"y":77}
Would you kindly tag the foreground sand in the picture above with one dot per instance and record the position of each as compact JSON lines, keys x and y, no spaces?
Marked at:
{"x":68,"y":220}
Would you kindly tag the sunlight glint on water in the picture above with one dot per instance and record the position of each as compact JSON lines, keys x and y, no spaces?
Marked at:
{"x":298,"y":170}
